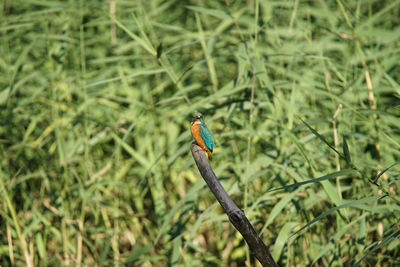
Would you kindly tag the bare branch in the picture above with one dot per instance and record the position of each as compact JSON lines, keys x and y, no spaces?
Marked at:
{"x":236,"y":216}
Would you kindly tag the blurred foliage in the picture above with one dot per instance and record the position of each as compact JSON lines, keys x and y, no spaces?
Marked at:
{"x":95,"y":106}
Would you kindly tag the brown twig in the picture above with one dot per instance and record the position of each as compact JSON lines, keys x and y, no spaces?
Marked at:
{"x":113,"y":27}
{"x":10,"y":245}
{"x":336,"y":143}
{"x":236,"y":215}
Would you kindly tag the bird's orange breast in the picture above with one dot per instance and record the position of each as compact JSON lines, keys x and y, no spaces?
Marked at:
{"x":195,"y":129}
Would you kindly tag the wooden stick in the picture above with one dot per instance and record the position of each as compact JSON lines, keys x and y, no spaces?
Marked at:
{"x":236,"y":215}
{"x":113,"y":28}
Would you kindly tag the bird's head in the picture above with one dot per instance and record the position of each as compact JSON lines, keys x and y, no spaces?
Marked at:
{"x":197,"y":116}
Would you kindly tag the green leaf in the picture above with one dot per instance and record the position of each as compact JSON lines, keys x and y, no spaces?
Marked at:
{"x":346,"y":151}
{"x":141,"y":41}
{"x":4,"y":95}
{"x":282,"y":239}
{"x":212,"y":12}
{"x":333,"y":194}
{"x":316,"y":180}
{"x":384,"y":242}
{"x":279,"y":207}
{"x":299,"y":147}
{"x":159,"y":50}
{"x":176,"y":251}
{"x":362,"y":233}
{"x":351,"y":203}
{"x":137,"y":251}
{"x":167,"y":220}
{"x":331,"y":244}
{"x":40,"y":245}
{"x":320,"y":137}
{"x":385,"y":170}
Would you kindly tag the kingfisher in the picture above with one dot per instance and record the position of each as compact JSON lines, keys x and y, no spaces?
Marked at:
{"x":201,"y":134}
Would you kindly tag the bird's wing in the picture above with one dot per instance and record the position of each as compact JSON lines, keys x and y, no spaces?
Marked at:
{"x":206,"y":136}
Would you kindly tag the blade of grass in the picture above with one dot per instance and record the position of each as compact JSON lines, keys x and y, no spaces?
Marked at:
{"x":316,"y":180}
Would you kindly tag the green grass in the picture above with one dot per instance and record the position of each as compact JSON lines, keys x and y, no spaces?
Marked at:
{"x":95,"y":161}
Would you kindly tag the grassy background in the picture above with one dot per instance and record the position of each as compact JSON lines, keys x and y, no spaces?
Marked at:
{"x":95,"y":107}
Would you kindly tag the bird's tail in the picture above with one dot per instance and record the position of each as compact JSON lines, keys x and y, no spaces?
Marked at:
{"x":209,"y":154}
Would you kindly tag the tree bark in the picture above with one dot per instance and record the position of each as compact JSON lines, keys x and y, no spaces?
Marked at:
{"x":236,"y":215}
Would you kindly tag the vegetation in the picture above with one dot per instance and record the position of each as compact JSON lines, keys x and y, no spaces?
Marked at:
{"x":96,"y":98}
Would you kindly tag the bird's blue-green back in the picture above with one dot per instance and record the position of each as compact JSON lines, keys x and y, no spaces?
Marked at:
{"x":206,"y":136}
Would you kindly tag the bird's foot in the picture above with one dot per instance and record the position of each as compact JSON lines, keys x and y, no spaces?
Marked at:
{"x":199,"y":149}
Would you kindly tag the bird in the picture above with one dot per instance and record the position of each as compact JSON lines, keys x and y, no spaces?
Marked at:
{"x":201,"y":134}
